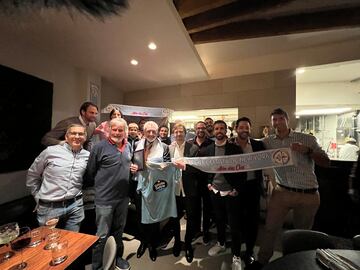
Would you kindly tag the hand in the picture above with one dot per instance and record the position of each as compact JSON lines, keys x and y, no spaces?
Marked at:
{"x":133,"y":168}
{"x":233,"y":193}
{"x":179,"y":164}
{"x":210,"y":187}
{"x":299,"y":147}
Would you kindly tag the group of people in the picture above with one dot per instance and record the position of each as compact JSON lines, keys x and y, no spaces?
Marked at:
{"x":150,"y":170}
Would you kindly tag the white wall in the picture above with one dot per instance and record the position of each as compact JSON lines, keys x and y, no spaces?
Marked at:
{"x":69,"y":91}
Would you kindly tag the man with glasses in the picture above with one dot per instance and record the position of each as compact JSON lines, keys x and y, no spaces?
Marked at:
{"x":55,"y":180}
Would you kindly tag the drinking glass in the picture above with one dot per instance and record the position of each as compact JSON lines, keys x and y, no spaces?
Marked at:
{"x":19,"y":244}
{"x":50,"y":224}
{"x":8,"y":232}
{"x":35,"y":237}
{"x":59,"y":252}
{"x":51,"y":240}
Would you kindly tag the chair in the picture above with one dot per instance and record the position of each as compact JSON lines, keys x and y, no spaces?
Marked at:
{"x":300,"y":240}
{"x":109,"y":254}
{"x":356,"y":242}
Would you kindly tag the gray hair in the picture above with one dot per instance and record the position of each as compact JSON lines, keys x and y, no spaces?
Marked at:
{"x":151,"y":124}
{"x":118,"y":122}
{"x":75,"y":125}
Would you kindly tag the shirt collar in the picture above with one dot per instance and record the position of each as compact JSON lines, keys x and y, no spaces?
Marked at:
{"x":122,"y":148}
{"x":290,"y":135}
{"x":68,"y":147}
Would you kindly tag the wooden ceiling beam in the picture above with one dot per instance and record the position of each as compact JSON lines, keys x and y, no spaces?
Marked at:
{"x":228,"y":14}
{"x":319,"y":21}
{"x":187,"y":8}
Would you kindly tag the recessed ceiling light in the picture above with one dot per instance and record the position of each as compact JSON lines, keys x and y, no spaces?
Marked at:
{"x":300,"y":71}
{"x":134,"y":62}
{"x":152,"y":46}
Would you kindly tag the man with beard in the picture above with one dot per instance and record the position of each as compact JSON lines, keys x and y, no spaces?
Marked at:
{"x":297,"y":186}
{"x":87,"y":118}
{"x":108,"y":170}
{"x":209,"y":128}
{"x":225,"y":189}
{"x":250,"y":195}
{"x":201,"y":141}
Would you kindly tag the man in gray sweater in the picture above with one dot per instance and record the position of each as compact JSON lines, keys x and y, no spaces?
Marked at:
{"x":108,"y":170}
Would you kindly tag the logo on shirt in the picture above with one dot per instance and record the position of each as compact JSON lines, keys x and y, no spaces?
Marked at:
{"x":159,"y":185}
{"x":281,"y":157}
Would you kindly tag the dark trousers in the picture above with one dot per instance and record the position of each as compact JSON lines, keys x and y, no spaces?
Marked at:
{"x":206,"y":209}
{"x":174,"y":223}
{"x":228,"y":208}
{"x":250,"y":200}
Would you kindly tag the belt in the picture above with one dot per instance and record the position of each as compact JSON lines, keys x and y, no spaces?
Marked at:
{"x":299,"y":190}
{"x":60,"y":203}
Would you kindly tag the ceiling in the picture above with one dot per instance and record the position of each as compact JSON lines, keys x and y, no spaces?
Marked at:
{"x":106,"y":47}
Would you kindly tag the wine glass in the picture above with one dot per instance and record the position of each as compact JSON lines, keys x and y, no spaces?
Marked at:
{"x":8,"y":232}
{"x":19,"y":244}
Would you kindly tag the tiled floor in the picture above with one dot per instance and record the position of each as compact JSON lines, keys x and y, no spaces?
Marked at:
{"x":166,"y":260}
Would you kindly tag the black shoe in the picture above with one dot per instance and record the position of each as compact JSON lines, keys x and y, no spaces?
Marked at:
{"x":254,"y":266}
{"x":206,"y":238}
{"x":248,"y":259}
{"x":141,"y":250}
{"x":177,"y":248}
{"x":189,"y":254}
{"x":152,"y":253}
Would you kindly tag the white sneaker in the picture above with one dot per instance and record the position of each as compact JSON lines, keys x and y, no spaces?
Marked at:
{"x":216,"y":249}
{"x":236,"y":264}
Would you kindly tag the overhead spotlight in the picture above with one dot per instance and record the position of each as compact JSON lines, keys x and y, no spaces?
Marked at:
{"x":299,"y":71}
{"x":134,"y":62}
{"x":152,"y":46}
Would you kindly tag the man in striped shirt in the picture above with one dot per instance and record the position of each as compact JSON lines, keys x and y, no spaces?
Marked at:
{"x":297,"y":186}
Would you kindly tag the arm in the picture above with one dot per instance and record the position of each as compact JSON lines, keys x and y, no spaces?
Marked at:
{"x":56,"y":135}
{"x":91,"y":169}
{"x":34,"y":174}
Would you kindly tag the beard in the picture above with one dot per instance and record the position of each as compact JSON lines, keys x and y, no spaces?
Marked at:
{"x":150,"y":140}
{"x":244,"y":135}
{"x":116,"y":139}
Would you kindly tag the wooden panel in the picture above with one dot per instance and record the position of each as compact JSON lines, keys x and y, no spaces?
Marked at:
{"x":188,"y":8}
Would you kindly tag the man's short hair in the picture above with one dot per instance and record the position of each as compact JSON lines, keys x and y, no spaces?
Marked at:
{"x":245,"y":119}
{"x":151,"y":124}
{"x":118,"y":121}
{"x":199,"y":122}
{"x":75,"y":125}
{"x":179,"y":126}
{"x":133,"y":125}
{"x":208,"y":118}
{"x":86,"y":105}
{"x":218,"y":122}
{"x":281,"y":112}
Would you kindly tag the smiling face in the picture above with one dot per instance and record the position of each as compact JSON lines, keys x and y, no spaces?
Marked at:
{"x":243,"y":130}
{"x":75,"y":137}
{"x":163,"y":132}
{"x":117,"y":132}
{"x":220,"y":131}
{"x":150,"y":131}
{"x":200,"y":130}
{"x":279,"y":122}
{"x":179,"y":134}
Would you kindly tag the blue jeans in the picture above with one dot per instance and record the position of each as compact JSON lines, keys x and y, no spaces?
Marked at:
{"x":110,"y":220}
{"x":70,"y":216}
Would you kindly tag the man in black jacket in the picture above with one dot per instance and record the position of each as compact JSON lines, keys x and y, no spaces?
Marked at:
{"x":225,"y":189}
{"x":250,"y":195}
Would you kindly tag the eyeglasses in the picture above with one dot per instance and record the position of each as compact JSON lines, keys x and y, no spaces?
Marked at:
{"x":80,"y":134}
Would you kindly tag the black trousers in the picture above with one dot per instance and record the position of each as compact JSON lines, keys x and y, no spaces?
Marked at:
{"x":206,"y":210}
{"x":228,"y":208}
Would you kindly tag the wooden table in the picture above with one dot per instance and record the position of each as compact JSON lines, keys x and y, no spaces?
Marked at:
{"x":306,"y":260}
{"x":39,"y":259}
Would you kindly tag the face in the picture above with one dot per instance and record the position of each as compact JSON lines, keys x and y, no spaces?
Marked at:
{"x":150,"y":134}
{"x":116,"y":114}
{"x":90,"y":114}
{"x":200,"y":130}
{"x":75,"y":137}
{"x":163,"y":132}
{"x":220,"y":132}
{"x":117,"y":133}
{"x":209,"y":125}
{"x":243,"y":130}
{"x":179,"y":135}
{"x":133,"y":131}
{"x":279,"y":122}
